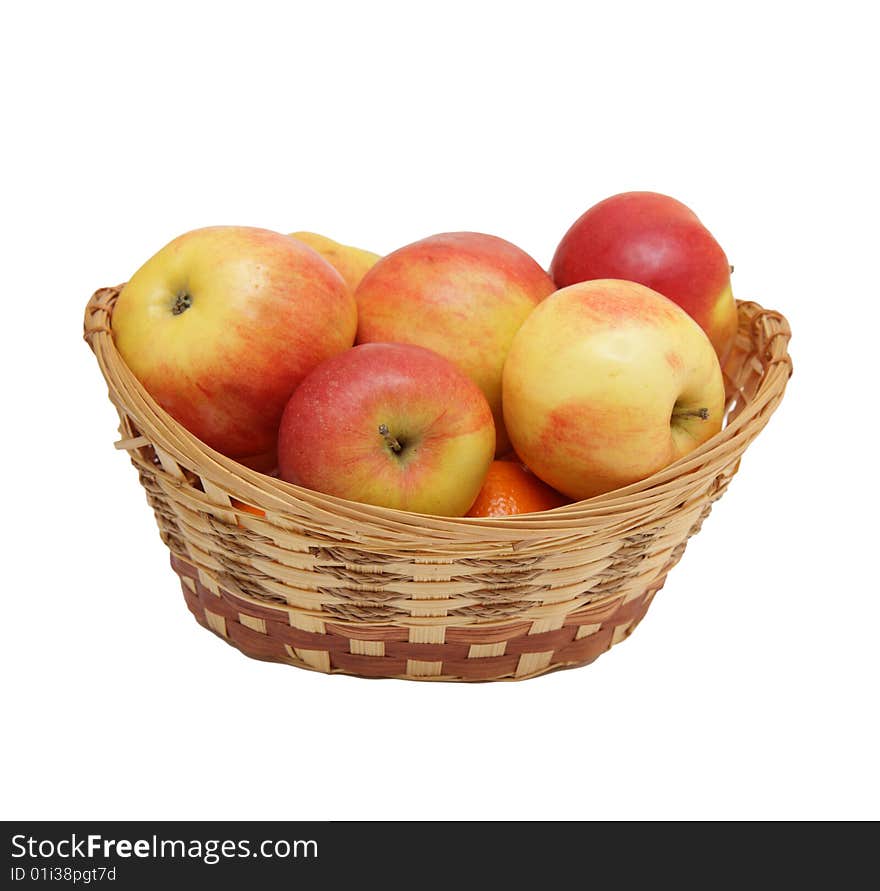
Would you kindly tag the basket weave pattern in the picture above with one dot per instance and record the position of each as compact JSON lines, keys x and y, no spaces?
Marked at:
{"x":335,"y":586}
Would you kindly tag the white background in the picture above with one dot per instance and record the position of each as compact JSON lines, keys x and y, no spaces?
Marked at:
{"x":750,"y":691}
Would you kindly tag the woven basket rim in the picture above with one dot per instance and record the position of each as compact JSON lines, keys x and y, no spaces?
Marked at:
{"x":768,"y":332}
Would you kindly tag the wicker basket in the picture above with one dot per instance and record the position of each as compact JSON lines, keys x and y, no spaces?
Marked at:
{"x":289,"y":575}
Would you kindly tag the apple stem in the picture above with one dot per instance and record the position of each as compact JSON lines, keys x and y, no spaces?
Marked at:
{"x":392,"y":443}
{"x":701,"y":413}
{"x":182,"y":303}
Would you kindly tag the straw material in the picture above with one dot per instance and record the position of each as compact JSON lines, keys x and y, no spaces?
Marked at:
{"x":341,"y":587}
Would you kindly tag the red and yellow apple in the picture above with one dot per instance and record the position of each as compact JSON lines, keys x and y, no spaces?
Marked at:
{"x":461,"y":294}
{"x":350,"y":262}
{"x":656,"y":241}
{"x":606,"y":383}
{"x":223,"y":323}
{"x":389,"y":424}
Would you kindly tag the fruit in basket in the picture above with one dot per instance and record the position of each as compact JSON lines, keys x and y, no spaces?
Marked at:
{"x":606,"y":383}
{"x":659,"y":242}
{"x":389,"y":424}
{"x":461,"y":294}
{"x":511,"y":488}
{"x":247,"y":508}
{"x":223,"y":323}
{"x":350,"y":262}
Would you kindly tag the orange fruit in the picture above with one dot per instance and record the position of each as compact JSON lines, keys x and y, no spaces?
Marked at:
{"x":511,"y":488}
{"x":247,"y":508}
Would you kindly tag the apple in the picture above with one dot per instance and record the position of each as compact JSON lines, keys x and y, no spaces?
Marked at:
{"x":659,"y":242}
{"x":350,"y":262}
{"x":223,"y":323}
{"x":606,"y":383}
{"x":461,"y":294}
{"x":389,"y":424}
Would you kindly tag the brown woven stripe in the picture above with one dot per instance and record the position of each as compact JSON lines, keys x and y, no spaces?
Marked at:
{"x":486,"y":634}
{"x":587,"y":648}
{"x":481,"y":669}
{"x":427,"y":652}
{"x":250,"y":641}
{"x":368,"y":632}
{"x":368,"y":666}
{"x":307,"y":640}
{"x":193,"y":602}
{"x":182,"y":567}
{"x":546,"y":642}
